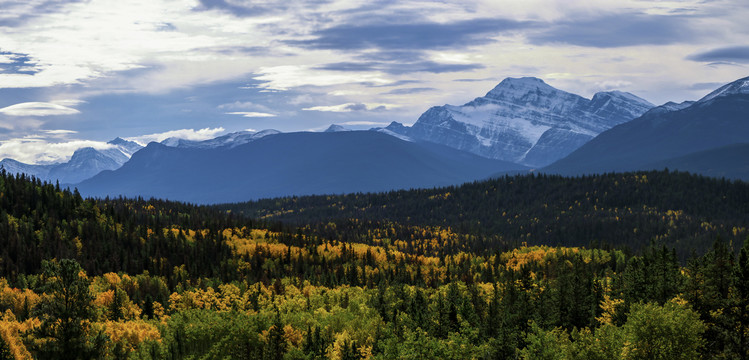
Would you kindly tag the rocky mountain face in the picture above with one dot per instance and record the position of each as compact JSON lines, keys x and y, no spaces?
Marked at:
{"x":524,"y":120}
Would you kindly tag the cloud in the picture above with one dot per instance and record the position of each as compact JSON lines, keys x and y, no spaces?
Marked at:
{"x":406,"y":91}
{"x":286,"y":77}
{"x":738,"y":54}
{"x":617,"y":30}
{"x":613,"y":84}
{"x":187,"y":134}
{"x":349,"y":107}
{"x":238,"y":8}
{"x":251,"y":8}
{"x":475,"y":80}
{"x":244,"y":105}
{"x":39,"y":150}
{"x":38,"y":109}
{"x":251,"y":114}
{"x":255,"y":110}
{"x":706,"y":86}
{"x":400,"y":67}
{"x":60,"y":132}
{"x":16,"y":12}
{"x":16,"y":63}
{"x":68,"y":102}
{"x":410,"y":36}
{"x":364,"y":123}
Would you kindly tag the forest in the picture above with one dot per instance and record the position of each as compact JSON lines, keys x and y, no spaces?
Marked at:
{"x":648,"y":265}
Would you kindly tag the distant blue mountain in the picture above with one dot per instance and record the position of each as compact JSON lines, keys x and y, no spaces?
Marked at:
{"x":291,"y":164}
{"x":671,"y":134}
{"x":730,"y":162}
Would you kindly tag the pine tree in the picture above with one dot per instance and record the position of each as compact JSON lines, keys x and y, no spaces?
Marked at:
{"x":66,"y":314}
{"x":276,"y":345}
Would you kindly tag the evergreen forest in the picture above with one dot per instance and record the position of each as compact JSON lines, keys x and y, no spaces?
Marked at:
{"x":647,"y":265}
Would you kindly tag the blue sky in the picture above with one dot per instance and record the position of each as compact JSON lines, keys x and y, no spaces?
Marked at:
{"x":80,"y":73}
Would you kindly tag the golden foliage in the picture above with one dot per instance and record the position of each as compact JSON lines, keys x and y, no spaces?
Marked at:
{"x":11,"y":331}
{"x":131,"y":333}
{"x":609,"y":309}
{"x":292,"y":336}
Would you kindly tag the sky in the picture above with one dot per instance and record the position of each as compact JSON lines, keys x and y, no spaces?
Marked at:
{"x":76,"y":73}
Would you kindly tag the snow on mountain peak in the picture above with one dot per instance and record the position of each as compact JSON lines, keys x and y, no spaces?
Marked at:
{"x":126,"y":147}
{"x":516,"y":88}
{"x":525,"y":120}
{"x":229,"y":140}
{"x":740,"y":86}
{"x":629,"y":97}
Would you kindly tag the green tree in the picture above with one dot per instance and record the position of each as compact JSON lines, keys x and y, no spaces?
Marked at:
{"x":668,"y":332}
{"x":65,"y":314}
{"x":740,"y":309}
{"x":546,"y":345}
{"x":118,"y":300}
{"x":276,"y":345}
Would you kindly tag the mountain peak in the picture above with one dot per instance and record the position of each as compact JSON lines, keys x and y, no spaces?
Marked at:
{"x":336,"y":128}
{"x":740,"y":86}
{"x":84,"y":151}
{"x":518,"y":87}
{"x":530,"y":80}
{"x":624,"y":96}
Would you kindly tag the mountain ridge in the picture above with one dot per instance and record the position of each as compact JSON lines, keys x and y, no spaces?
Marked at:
{"x":83,"y":164}
{"x":291,"y":164}
{"x":524,"y":120}
{"x":668,"y":134}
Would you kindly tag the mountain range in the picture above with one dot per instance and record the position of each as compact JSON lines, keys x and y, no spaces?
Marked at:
{"x":704,"y":137}
{"x":85,"y":163}
{"x":291,"y":163}
{"x":522,"y":123}
{"x":525,"y":121}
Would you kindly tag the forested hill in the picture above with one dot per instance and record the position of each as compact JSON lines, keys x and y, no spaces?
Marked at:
{"x":622,"y":210}
{"x":42,"y":221}
{"x":147,"y":279}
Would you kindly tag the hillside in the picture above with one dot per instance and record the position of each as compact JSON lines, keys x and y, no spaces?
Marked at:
{"x":630,"y":209}
{"x":659,"y":136}
{"x":153,"y":279}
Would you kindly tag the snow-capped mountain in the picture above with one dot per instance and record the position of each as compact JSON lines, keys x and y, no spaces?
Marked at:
{"x":16,"y":167}
{"x":85,"y":163}
{"x":229,"y":140}
{"x":524,"y":120}
{"x":740,"y":86}
{"x":126,"y":147}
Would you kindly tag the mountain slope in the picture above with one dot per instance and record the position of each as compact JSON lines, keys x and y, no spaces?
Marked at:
{"x":524,"y":120}
{"x":719,"y":119}
{"x":291,"y":164}
{"x":85,"y":163}
{"x":731,"y":162}
{"x":16,"y":167}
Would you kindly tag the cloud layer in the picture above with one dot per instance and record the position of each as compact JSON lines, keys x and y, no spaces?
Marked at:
{"x":37,"y":109}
